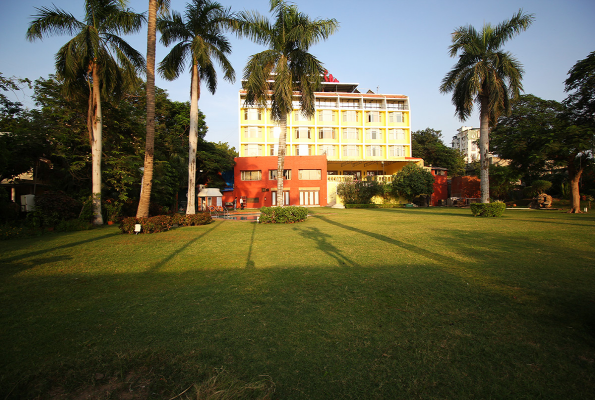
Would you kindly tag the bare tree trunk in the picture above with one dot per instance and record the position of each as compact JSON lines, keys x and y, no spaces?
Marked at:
{"x":575,"y":176}
{"x":145,"y":198}
{"x":96,"y":149}
{"x":281,"y":159}
{"x":484,"y":148}
{"x":193,"y":140}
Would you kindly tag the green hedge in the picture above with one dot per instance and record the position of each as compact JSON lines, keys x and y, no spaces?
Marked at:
{"x":488,"y":209}
{"x":283,"y":215}
{"x":162,"y":223}
{"x":374,"y":205}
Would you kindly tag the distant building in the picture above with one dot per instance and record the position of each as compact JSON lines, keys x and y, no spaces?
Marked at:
{"x":466,"y":141}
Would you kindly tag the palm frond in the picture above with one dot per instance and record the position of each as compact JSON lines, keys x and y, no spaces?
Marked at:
{"x":174,"y":63}
{"x":52,"y":22}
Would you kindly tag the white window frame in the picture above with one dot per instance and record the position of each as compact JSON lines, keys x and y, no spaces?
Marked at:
{"x":349,"y":150}
{"x":302,"y":132}
{"x":253,"y":114}
{"x":350,"y":134}
{"x":397,"y":134}
{"x":374,"y":151}
{"x":310,"y":174}
{"x":327,"y":149}
{"x":350,"y":116}
{"x":373,"y":134}
{"x":252,"y":132}
{"x":396,"y":151}
{"x":326,"y":133}
{"x":326,"y":115}
{"x":251,"y":175}
{"x":374,"y":116}
{"x":252,"y":150}
{"x":395,"y":117}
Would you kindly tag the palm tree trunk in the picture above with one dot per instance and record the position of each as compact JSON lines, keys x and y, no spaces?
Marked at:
{"x":193,"y":140}
{"x":145,"y":196}
{"x":575,"y":176}
{"x":484,"y":147}
{"x":281,"y":159}
{"x":96,"y":149}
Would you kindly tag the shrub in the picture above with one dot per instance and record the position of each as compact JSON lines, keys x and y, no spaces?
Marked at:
{"x":495,"y":209}
{"x":53,"y":207}
{"x":162,"y":223}
{"x":536,"y":188}
{"x":283,"y":215}
{"x":359,"y":192}
{"x":413,"y":181}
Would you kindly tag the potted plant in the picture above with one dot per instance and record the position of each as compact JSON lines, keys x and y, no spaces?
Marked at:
{"x":113,"y":208}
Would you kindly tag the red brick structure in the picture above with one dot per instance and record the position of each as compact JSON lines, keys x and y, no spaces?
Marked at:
{"x":440,"y":186}
{"x":466,"y":187}
{"x":304,"y":184}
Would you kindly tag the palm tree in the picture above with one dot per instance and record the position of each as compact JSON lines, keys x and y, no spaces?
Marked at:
{"x":486,"y":75}
{"x":285,"y":67}
{"x":145,"y":197}
{"x":95,"y":61}
{"x":200,"y":41}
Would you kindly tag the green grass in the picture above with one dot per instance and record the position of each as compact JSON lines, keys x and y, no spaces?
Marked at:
{"x":371,"y":303}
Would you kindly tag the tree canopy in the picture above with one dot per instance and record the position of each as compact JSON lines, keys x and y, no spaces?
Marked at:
{"x":413,"y":181}
{"x":427,"y":144}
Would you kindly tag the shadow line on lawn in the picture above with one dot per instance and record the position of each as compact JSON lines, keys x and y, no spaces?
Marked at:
{"x":440,"y":258}
{"x":249,"y":262}
{"x":161,"y":263}
{"x":64,"y":246}
{"x":323,"y":245}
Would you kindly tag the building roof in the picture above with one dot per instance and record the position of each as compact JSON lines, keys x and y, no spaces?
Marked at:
{"x":210,"y":192}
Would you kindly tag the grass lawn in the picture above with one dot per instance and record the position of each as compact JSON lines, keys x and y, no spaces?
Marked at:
{"x":370,"y":303}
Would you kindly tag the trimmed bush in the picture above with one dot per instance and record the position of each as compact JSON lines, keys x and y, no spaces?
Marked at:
{"x":374,"y":205}
{"x":283,"y":215}
{"x":495,"y":209}
{"x":53,"y":207}
{"x":162,"y":223}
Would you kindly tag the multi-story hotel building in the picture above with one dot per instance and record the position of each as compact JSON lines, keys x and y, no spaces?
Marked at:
{"x":466,"y":142}
{"x":351,"y":134}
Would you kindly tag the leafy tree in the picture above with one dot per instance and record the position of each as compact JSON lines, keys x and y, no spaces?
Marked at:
{"x":286,"y":62}
{"x":503,"y":179}
{"x":413,"y":181}
{"x":359,"y":191}
{"x":96,"y":62}
{"x":580,"y":105}
{"x":143,"y":205}
{"x":427,"y":144}
{"x":487,"y":76}
{"x":538,"y":137}
{"x":201,"y":41}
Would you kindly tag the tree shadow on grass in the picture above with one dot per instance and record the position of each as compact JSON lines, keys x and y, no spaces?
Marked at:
{"x":440,"y":258}
{"x":249,"y":261}
{"x":325,"y":246}
{"x":161,"y":263}
{"x":13,"y":268}
{"x":65,"y":246}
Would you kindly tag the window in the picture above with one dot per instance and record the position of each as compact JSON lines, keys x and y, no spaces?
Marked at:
{"x":326,"y":116}
{"x":329,"y":150}
{"x":356,"y":174}
{"x":273,"y":174}
{"x":373,"y":151}
{"x":350,"y":151}
{"x":396,"y":105}
{"x":374,"y":116}
{"x":396,"y":151}
{"x":395,"y":117}
{"x":298,"y":116}
{"x":310,"y":175}
{"x":253,"y":114}
{"x":252,"y":132}
{"x":326,"y":103}
{"x":302,"y":133}
{"x":251,"y":175}
{"x":252,"y":150}
{"x":397,"y":134}
{"x":309,"y":197}
{"x":350,"y":134}
{"x":373,"y":104}
{"x":303,"y":150}
{"x":373,"y":173}
{"x":350,"y":116}
{"x":326,"y":133}
{"x":350,"y":103}
{"x":285,"y":198}
{"x":374,"y":134}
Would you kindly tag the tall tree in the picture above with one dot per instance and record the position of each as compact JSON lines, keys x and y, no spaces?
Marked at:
{"x":427,"y":144}
{"x":200,"y":41}
{"x":487,"y":76}
{"x":285,"y":67}
{"x":145,"y":198}
{"x":580,"y":105}
{"x":96,"y":61}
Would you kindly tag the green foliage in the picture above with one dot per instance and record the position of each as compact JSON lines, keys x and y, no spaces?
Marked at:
{"x":503,"y":180}
{"x":53,"y":207}
{"x":495,"y":209}
{"x":540,"y":186}
{"x":283,"y":215}
{"x":359,"y":192}
{"x":413,"y":181}
{"x":427,"y":144}
{"x":162,"y":223}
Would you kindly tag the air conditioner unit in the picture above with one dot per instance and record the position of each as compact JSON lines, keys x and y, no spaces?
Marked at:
{"x":28,"y":202}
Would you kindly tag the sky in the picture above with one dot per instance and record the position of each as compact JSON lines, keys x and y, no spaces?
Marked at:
{"x":388,"y":46}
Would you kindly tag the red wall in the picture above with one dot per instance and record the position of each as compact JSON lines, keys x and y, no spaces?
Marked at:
{"x":254,"y":189}
{"x":440,"y":188}
{"x":466,"y":187}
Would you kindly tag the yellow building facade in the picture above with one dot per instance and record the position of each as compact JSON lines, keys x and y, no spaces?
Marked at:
{"x":360,"y":133}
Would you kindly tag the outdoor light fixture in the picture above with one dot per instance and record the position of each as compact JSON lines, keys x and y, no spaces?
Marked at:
{"x":137,"y":228}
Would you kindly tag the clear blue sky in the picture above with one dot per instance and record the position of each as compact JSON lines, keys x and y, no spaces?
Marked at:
{"x":399,"y":47}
